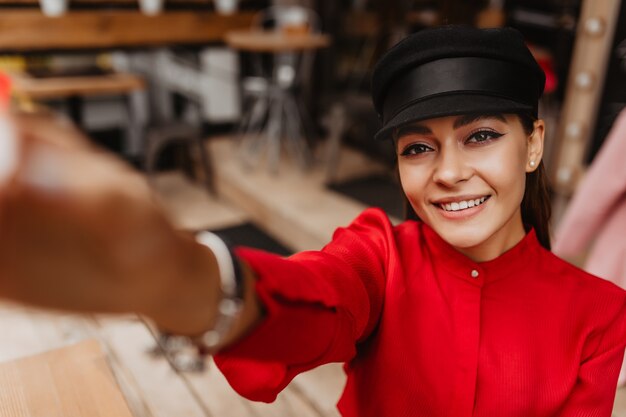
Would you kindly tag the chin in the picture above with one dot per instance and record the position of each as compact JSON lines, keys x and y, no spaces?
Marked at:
{"x":463,"y":237}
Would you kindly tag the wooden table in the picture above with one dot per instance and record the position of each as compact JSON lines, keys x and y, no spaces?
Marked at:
{"x":33,"y":88}
{"x":275,"y":42}
{"x":74,"y":89}
{"x":151,"y":387}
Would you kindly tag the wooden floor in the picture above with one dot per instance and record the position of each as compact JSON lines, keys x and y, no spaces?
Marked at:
{"x":294,"y":208}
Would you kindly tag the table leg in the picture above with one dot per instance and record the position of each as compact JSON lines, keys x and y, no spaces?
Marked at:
{"x":75,"y":110}
{"x":207,"y":165}
{"x":308,"y":125}
{"x":274,"y":132}
{"x":136,"y":103}
{"x":252,"y":139}
{"x":297,"y":141}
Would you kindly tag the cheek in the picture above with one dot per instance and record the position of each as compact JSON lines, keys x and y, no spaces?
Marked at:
{"x":504,"y":171}
{"x":414,"y":181}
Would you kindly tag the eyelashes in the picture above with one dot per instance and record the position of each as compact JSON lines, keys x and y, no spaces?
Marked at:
{"x":483,"y":135}
{"x":415,"y":149}
{"x":479,"y":137}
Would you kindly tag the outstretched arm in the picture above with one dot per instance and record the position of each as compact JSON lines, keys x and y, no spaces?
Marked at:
{"x":81,"y":231}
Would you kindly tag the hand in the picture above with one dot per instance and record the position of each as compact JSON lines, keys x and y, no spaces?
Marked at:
{"x":80,"y":230}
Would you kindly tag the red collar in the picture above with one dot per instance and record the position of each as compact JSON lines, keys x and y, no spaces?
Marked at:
{"x":516,"y":259}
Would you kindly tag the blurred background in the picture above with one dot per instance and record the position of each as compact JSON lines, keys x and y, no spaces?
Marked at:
{"x":253,"y":119}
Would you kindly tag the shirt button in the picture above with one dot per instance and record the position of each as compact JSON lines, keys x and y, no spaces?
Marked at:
{"x":474,"y":273}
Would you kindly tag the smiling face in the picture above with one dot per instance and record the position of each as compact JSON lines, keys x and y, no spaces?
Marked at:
{"x":465,"y":177}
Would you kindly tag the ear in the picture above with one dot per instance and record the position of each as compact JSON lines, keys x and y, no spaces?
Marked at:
{"x":535,"y":146}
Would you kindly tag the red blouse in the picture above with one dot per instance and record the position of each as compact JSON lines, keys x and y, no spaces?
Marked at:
{"x":425,"y":331}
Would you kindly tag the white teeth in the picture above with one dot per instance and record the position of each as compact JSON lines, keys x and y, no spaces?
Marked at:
{"x":462,"y":205}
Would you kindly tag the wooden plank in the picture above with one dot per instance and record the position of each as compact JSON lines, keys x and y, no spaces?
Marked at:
{"x":24,"y":29}
{"x":162,"y":389}
{"x":213,"y":390}
{"x":266,"y":41}
{"x":130,"y":341}
{"x":323,"y":386}
{"x":290,"y":403}
{"x":20,"y":338}
{"x":73,"y":381}
{"x":40,"y":331}
{"x":58,"y":329}
{"x":619,"y":407}
{"x":32,"y":331}
{"x":59,"y":87}
{"x":190,"y":207}
{"x":288,"y":205}
{"x":596,"y":27}
{"x":169,"y":392}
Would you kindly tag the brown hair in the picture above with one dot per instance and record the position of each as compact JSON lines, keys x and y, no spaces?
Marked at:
{"x":536,"y":206}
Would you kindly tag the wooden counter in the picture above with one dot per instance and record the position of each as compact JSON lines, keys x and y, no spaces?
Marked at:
{"x":29,"y":29}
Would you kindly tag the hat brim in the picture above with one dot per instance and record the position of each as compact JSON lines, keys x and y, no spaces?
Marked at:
{"x":450,"y":105}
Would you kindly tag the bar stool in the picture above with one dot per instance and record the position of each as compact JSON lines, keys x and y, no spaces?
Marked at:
{"x":272,"y":103}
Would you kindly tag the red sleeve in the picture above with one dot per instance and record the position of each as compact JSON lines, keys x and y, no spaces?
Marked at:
{"x":594,"y":392}
{"x":318,"y":305}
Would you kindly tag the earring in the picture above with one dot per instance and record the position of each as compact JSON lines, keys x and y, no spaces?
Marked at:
{"x":532,"y":163}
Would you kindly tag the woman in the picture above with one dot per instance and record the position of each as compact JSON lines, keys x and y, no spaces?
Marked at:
{"x":463,"y":312}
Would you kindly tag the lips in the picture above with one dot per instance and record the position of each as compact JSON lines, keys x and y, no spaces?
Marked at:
{"x":461,"y":203}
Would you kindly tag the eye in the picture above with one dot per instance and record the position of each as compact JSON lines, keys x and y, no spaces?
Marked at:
{"x":416,"y":149}
{"x":483,"y":136}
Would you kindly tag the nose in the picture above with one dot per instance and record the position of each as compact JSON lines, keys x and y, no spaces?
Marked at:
{"x":451,"y":168}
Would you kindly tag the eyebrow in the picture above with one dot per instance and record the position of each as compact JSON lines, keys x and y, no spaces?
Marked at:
{"x":471,"y":118}
{"x":416,"y":128}
{"x":458,"y":123}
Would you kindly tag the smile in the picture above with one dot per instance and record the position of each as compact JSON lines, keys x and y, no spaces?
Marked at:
{"x":463,"y":204}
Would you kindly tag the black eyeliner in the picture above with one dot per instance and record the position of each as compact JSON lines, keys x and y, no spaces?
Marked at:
{"x":494,"y":134}
{"x":411,"y":146}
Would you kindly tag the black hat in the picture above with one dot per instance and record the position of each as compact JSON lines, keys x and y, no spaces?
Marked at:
{"x":454,"y":70}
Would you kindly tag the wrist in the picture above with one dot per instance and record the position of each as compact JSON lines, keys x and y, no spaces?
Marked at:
{"x":189,"y":307}
{"x":188,"y":302}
